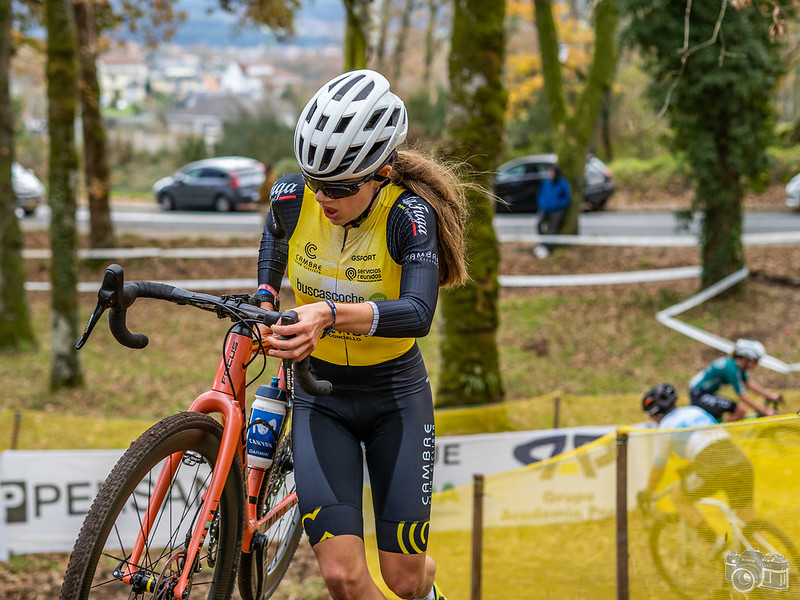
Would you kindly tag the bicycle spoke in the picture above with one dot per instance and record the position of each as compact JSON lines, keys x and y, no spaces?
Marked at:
{"x":103,"y":551}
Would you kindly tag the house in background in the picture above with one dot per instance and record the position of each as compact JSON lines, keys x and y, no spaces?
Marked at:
{"x":178,"y":74}
{"x":205,"y":116}
{"x":123,"y":76}
{"x":259,"y":79}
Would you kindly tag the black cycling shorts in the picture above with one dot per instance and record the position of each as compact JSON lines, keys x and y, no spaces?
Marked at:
{"x":716,"y":406}
{"x":721,"y":466}
{"x":386,"y":410}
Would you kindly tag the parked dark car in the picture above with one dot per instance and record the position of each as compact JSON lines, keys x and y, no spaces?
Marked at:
{"x":220,"y":183}
{"x":28,"y":188}
{"x":517,"y":182}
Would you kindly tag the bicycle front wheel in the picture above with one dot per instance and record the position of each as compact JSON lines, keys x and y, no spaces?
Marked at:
{"x":688,"y":564}
{"x":775,"y":578}
{"x":262,"y":569}
{"x":110,"y":529}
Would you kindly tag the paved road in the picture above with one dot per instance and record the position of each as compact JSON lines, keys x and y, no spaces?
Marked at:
{"x":146,"y":218}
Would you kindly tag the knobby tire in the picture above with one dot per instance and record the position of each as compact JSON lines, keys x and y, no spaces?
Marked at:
{"x":107,"y":537}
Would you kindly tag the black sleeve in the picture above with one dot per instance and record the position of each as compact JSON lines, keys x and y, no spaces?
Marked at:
{"x":286,"y":198}
{"x":411,"y":241}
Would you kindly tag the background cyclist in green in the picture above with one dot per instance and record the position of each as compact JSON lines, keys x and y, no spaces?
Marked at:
{"x":369,"y":233}
{"x":733,"y":370}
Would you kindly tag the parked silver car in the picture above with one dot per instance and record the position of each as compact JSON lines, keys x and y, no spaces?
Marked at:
{"x":793,"y":193}
{"x":221,"y":184}
{"x":28,"y":189}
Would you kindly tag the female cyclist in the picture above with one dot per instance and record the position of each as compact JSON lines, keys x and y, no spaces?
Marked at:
{"x":734,"y":371}
{"x":368,"y":233}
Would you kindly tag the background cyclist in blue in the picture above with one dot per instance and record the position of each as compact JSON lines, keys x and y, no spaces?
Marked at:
{"x":369,"y":234}
{"x":715,"y":462}
{"x":733,"y":370}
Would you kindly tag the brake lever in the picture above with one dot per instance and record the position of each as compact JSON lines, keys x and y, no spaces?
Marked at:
{"x":96,"y":314}
{"x":107,"y":296}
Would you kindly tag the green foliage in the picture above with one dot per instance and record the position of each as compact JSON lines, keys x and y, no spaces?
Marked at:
{"x":133,"y":173}
{"x":714,"y":78}
{"x":532,"y":132}
{"x":426,"y":115}
{"x":784,"y":163}
{"x":263,"y":137}
{"x":191,"y":148}
{"x":719,"y":105}
{"x":661,"y":171}
{"x":636,"y":130}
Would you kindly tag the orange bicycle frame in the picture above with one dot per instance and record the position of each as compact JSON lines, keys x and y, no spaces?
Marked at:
{"x":227,"y":398}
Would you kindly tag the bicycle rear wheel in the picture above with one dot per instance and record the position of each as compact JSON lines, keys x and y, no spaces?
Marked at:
{"x":687,"y":563}
{"x":110,"y":528}
{"x":262,"y":569}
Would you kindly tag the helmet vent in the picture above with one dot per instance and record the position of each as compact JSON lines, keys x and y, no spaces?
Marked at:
{"x":311,"y":112}
{"x":374,"y":154}
{"x":321,"y":123}
{"x":395,"y":118}
{"x":373,"y":120}
{"x":312,"y":150}
{"x":343,"y":123}
{"x":326,"y":158}
{"x":346,"y":87}
{"x":335,"y":82}
{"x":363,"y":94}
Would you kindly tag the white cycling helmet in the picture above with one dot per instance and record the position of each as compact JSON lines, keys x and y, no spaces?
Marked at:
{"x":350,"y":128}
{"x":749,"y":349}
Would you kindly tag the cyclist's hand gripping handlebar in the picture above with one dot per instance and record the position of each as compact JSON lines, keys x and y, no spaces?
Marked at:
{"x":302,"y":368}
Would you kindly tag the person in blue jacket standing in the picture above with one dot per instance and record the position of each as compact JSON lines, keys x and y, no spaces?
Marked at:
{"x":553,"y":199}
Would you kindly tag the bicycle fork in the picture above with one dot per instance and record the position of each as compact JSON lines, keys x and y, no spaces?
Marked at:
{"x":220,"y":399}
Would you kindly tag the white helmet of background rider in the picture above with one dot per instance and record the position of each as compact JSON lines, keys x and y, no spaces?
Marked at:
{"x":350,"y":128}
{"x":749,"y":349}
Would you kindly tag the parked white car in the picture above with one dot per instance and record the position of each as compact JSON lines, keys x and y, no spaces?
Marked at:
{"x":28,"y":189}
{"x":793,"y":192}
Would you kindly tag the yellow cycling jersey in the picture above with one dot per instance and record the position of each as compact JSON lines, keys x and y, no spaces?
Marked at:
{"x":347,"y":265}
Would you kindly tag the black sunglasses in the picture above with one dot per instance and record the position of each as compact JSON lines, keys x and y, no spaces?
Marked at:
{"x":337,"y":189}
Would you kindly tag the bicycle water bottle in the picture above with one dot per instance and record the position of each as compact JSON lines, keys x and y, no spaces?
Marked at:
{"x":269,"y":407}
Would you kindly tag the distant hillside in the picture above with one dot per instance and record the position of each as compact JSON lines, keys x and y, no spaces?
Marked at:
{"x":319,"y":23}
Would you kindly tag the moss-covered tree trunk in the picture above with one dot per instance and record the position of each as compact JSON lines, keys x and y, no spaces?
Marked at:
{"x":61,"y":97}
{"x":101,"y":228}
{"x":714,"y":72}
{"x":355,"y":35}
{"x":15,"y":323}
{"x":572,"y":130}
{"x":469,"y":316}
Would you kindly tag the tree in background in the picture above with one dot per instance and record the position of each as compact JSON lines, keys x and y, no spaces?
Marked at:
{"x":246,"y":136}
{"x":62,"y":77}
{"x":470,"y":371}
{"x":573,"y":129}
{"x":95,"y":162}
{"x":714,"y":69}
{"x":15,"y":323}
{"x":357,"y":18}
